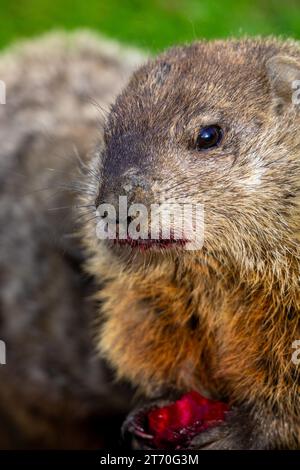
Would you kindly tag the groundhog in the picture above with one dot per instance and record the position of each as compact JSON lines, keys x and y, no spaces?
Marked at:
{"x":55,"y":391}
{"x":215,"y":123}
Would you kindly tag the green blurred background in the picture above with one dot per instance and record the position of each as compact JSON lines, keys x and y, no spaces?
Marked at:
{"x":152,"y":24}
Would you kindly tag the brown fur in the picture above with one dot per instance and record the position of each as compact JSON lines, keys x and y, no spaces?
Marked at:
{"x":221,"y":320}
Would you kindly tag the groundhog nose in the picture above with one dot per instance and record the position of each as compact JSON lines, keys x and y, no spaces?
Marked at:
{"x":135,"y":189}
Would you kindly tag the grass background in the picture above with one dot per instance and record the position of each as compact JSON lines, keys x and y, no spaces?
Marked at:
{"x":152,"y":24}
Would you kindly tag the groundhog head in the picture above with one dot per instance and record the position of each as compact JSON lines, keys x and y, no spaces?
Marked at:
{"x":215,"y":125}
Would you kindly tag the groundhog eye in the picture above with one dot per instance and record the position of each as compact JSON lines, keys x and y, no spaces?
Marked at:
{"x":208,"y":137}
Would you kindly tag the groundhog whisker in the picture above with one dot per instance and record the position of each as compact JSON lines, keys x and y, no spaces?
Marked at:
{"x":73,"y":207}
{"x":83,"y":167}
{"x":95,"y":103}
{"x":89,"y":220}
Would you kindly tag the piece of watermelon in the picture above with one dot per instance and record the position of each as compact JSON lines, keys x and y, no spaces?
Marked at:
{"x":174,"y":426}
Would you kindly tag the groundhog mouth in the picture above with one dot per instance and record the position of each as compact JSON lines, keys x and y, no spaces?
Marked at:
{"x":172,"y":425}
{"x":147,"y":244}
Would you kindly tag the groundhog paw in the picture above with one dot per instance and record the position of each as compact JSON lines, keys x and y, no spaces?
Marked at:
{"x":236,"y":433}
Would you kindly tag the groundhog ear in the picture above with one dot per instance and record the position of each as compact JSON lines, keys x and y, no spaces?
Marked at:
{"x":284,"y":76}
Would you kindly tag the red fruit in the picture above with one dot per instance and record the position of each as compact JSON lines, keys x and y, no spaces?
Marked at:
{"x":175,"y":425}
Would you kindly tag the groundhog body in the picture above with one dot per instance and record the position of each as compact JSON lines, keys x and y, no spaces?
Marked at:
{"x":222,"y":319}
{"x":55,"y":392}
